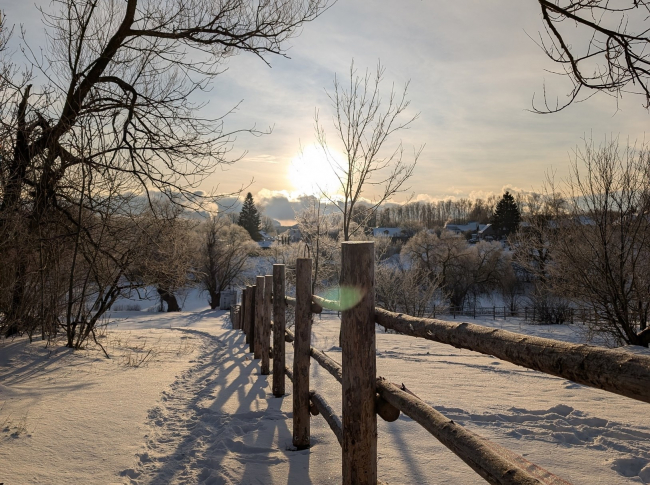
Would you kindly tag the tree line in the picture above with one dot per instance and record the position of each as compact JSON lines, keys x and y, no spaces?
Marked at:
{"x":431,"y":215}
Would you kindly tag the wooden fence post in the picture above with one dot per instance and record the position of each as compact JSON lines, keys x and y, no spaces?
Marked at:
{"x":240,"y":319}
{"x":251,"y":319}
{"x":265,"y":334}
{"x":259,"y":316}
{"x":246,"y":300}
{"x":242,"y":309}
{"x":279,"y":325}
{"x":301,"y":344}
{"x":235,"y":309}
{"x":359,"y":365}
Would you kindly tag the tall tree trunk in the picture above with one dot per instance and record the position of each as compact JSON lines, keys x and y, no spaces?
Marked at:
{"x":10,"y":210}
{"x":215,"y":299}
{"x":169,"y":298}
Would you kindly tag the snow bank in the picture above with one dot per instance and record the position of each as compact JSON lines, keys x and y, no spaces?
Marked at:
{"x":199,"y":412}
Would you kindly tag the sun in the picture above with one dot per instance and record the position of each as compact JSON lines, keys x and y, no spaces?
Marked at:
{"x":312,"y":172}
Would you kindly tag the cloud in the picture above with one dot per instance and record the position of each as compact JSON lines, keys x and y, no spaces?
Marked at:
{"x":262,"y":158}
{"x":279,"y":207}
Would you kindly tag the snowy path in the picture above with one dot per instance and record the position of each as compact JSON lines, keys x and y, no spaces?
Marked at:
{"x":218,"y":423}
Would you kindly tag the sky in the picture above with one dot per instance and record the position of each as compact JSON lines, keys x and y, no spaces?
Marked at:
{"x":473,"y":70}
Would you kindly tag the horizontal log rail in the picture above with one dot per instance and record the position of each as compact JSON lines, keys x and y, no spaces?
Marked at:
{"x":474,"y":450}
{"x":495,"y":464}
{"x":329,"y":414}
{"x":323,"y":408}
{"x":315,"y":307}
{"x":327,"y":363}
{"x":386,"y":411}
{"x":615,"y":371}
{"x":318,"y":303}
{"x":326,"y":304}
{"x":289,"y":373}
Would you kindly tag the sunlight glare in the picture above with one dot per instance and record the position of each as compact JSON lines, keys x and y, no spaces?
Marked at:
{"x":311,"y":173}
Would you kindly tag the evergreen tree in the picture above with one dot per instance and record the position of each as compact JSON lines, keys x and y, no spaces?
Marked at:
{"x":249,"y":218}
{"x":506,"y":215}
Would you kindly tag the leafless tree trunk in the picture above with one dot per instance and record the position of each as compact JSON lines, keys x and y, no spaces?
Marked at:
{"x":364,"y":124}
{"x":600,"y":248}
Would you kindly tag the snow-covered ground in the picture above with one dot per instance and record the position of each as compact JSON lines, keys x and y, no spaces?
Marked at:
{"x":196,"y":410}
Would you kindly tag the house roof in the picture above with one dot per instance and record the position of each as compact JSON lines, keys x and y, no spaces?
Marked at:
{"x":470,"y":226}
{"x":387,"y":231}
{"x":486,"y":228}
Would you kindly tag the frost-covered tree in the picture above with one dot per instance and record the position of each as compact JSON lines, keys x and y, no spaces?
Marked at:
{"x":601,"y":249}
{"x":225,"y":251}
{"x":168,"y":263}
{"x":461,"y":269}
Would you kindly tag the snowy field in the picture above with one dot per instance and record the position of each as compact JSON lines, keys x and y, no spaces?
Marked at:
{"x":180,"y":401}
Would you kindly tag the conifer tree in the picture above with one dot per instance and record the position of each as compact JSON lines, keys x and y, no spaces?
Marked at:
{"x":249,"y":218}
{"x":506,"y":215}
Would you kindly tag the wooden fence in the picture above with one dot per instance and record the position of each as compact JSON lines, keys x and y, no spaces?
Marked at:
{"x":364,"y":395}
{"x":528,"y":314}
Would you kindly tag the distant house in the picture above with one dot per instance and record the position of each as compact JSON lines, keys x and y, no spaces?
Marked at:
{"x":394,"y":233}
{"x":474,"y":227}
{"x":487,"y":233}
{"x":266,"y":241}
{"x":387,"y":232}
{"x":294,"y":234}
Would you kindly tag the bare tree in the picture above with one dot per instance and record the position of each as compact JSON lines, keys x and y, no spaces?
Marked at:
{"x":117,"y":101}
{"x":364,"y":123}
{"x":411,"y":290}
{"x":461,"y":269}
{"x":169,"y":258}
{"x":601,"y":46}
{"x":268,"y":226}
{"x":225,"y":252}
{"x":601,"y":250}
{"x":318,"y":230}
{"x":435,"y":254}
